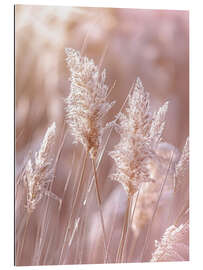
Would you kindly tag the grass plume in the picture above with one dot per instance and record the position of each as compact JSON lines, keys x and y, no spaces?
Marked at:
{"x":172,"y":244}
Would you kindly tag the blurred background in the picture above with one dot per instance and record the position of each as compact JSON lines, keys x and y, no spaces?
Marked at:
{"x":151,"y":44}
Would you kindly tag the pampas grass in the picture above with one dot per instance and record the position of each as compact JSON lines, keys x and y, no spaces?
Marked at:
{"x":182,"y":167}
{"x":140,"y":135}
{"x":173,"y":245}
{"x":85,"y":110}
{"x":37,"y":176}
{"x":68,"y":211}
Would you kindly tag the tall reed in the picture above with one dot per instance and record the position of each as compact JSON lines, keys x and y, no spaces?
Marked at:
{"x":86,"y":107}
{"x":139,"y":135}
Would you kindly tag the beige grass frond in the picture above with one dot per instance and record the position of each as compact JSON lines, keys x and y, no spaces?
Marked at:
{"x":38,"y":173}
{"x":172,"y":244}
{"x":86,"y":104}
{"x":182,"y":166}
{"x":158,"y":124}
{"x":43,"y":155}
{"x":137,"y":130}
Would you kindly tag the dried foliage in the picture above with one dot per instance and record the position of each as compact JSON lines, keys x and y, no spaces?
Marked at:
{"x":39,"y":173}
{"x":139,"y":134}
{"x":182,"y":166}
{"x":173,"y":244}
{"x":86,"y":223}
{"x":86,"y":104}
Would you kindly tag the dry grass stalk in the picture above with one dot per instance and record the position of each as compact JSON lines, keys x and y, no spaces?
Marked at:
{"x":38,"y":174}
{"x":86,"y":104}
{"x":171,"y":244}
{"x":86,"y":107}
{"x":78,"y":190}
{"x":100,"y":210}
{"x":139,"y":136}
{"x":43,"y":231}
{"x":182,"y":166}
{"x":158,"y":124}
{"x":119,"y":256}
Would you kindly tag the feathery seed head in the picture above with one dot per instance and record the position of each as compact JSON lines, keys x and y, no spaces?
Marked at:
{"x":171,"y":238}
{"x":138,"y":109}
{"x":133,"y":152}
{"x":182,"y":166}
{"x":45,"y":149}
{"x":86,"y":104}
{"x":37,"y":175}
{"x":158,"y":124}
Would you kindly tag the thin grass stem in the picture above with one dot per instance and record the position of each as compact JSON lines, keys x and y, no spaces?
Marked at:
{"x":133,"y":212}
{"x":124,"y":231}
{"x":63,"y":136}
{"x":130,"y":219}
{"x":104,"y":147}
{"x":24,"y":234}
{"x":100,"y":210}
{"x":74,"y":204}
